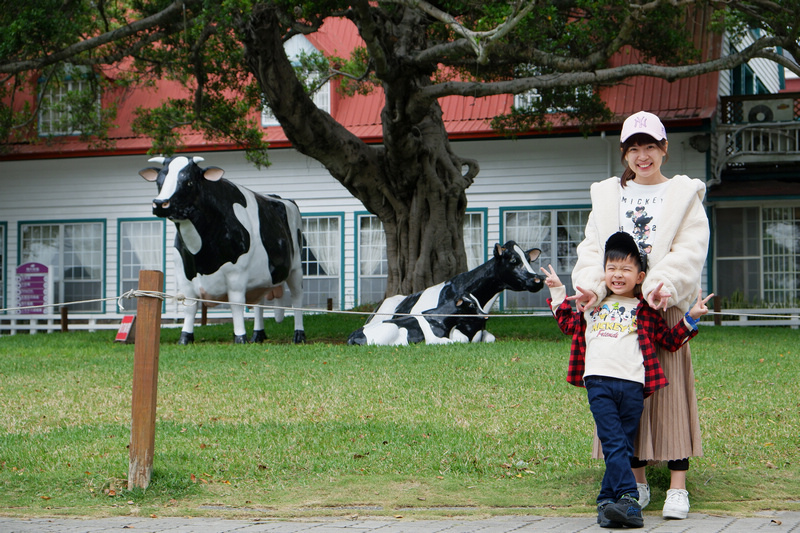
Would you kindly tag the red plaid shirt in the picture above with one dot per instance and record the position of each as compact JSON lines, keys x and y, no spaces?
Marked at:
{"x":652,"y":329}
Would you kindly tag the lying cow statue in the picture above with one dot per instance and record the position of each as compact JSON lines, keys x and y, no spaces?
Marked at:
{"x":232,"y":244}
{"x":466,"y":297}
{"x":455,"y":321}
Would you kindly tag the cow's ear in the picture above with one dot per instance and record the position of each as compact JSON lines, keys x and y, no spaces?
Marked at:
{"x":213,"y":173}
{"x":533,"y":254}
{"x":150,"y":174}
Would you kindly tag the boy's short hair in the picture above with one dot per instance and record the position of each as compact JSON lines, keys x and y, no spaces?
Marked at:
{"x":621,"y":246}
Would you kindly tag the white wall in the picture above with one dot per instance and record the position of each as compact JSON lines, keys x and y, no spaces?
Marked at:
{"x":523,"y":173}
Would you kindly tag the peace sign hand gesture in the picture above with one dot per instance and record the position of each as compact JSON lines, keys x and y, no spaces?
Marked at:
{"x":700,"y":308}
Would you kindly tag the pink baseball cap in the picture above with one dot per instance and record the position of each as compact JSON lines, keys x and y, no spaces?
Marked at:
{"x":643,"y":122}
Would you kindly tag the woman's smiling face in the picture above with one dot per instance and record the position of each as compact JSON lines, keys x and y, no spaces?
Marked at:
{"x":645,"y":161}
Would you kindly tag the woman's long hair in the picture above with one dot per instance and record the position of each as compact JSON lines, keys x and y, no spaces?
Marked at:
{"x":638,"y":139}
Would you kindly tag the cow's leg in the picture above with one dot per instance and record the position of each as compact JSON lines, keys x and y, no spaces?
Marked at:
{"x":258,"y":326}
{"x":295,"y":283}
{"x":428,"y":333}
{"x":236,"y":300}
{"x":187,"y":332}
{"x":457,"y":336}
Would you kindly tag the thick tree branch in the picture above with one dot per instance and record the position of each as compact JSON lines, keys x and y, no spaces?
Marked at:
{"x":760,"y":49}
{"x":168,"y":14}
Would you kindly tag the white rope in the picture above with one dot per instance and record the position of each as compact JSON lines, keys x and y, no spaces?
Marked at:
{"x":183,"y":300}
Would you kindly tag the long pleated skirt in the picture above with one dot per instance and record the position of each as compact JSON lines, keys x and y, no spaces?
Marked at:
{"x":670,"y":425}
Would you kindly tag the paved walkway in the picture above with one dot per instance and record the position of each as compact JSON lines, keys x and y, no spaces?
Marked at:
{"x":773,"y":522}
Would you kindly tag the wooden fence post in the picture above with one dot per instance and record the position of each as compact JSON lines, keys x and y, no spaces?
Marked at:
{"x":64,"y":319}
{"x":145,"y":380}
{"x":717,"y":309}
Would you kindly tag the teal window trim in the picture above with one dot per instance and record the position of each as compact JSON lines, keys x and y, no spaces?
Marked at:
{"x":485,"y":212}
{"x":502,"y":229}
{"x":120,"y":222}
{"x":103,"y":244}
{"x":341,"y":216}
{"x":4,"y":265}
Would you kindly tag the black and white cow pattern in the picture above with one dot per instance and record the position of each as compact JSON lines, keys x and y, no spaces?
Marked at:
{"x":454,"y":321}
{"x":232,"y":244}
{"x":467,"y":297}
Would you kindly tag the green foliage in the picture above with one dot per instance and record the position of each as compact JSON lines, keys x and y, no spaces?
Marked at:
{"x":201,"y":47}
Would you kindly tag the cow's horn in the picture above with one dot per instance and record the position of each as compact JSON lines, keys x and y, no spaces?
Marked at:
{"x":159,"y":160}
{"x":197,"y":159}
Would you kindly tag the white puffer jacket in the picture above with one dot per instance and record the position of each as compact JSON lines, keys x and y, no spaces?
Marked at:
{"x":679,"y":250}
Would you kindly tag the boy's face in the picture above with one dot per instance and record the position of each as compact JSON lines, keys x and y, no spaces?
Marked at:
{"x":623,"y":275}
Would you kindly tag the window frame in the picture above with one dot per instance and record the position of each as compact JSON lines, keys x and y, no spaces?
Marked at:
{"x":321,"y":99}
{"x":120,"y":280}
{"x":760,"y":257}
{"x":340,"y":217}
{"x":483,"y":212}
{"x":63,"y":83}
{"x":102,"y":254}
{"x":553,"y":242}
{"x":3,"y":265}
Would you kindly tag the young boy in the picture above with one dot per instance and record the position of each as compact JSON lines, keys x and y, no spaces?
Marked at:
{"x":613,"y":356}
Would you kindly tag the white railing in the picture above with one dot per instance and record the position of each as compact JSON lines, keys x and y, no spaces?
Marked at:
{"x":47,"y":323}
{"x":756,"y":143}
{"x":757,"y":317}
{"x":15,"y":324}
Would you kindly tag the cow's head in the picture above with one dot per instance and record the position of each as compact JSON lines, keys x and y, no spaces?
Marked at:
{"x":514,"y":269}
{"x":179,"y":181}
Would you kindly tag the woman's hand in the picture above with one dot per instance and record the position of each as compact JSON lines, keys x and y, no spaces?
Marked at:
{"x":659,"y":298}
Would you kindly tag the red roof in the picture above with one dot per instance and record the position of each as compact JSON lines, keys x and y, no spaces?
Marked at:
{"x":687,"y":102}
{"x":684,"y":102}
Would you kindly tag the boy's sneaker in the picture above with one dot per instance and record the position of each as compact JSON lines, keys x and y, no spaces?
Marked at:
{"x":644,"y":494}
{"x":601,"y":515}
{"x":677,"y":504}
{"x":626,"y":511}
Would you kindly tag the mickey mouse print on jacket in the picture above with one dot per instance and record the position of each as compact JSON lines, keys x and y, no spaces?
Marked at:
{"x":640,"y":208}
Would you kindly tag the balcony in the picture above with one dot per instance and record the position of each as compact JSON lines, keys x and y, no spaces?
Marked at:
{"x":757,"y":136}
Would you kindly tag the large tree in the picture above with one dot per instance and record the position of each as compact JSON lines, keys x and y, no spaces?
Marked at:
{"x":230,"y":56}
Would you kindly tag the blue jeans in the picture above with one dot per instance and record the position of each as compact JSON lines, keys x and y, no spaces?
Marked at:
{"x":616,"y":405}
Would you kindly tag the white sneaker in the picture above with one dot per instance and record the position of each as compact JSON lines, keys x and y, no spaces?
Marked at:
{"x":676,"y":504}
{"x":644,"y":494}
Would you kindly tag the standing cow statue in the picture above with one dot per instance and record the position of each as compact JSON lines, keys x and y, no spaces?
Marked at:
{"x":232,"y":244}
{"x":455,"y":310}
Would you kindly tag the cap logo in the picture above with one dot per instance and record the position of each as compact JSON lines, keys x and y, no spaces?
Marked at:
{"x":640,"y":122}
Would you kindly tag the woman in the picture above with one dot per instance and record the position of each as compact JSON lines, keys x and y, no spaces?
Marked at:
{"x":667,"y":219}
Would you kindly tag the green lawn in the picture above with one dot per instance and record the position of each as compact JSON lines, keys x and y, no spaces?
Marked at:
{"x":330,"y":429}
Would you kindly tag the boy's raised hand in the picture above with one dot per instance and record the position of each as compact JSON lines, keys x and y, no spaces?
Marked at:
{"x":552,"y":279}
{"x":700,"y":308}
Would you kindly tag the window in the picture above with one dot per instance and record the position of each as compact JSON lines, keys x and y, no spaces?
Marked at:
{"x":74,"y":254}
{"x":527,"y":100}
{"x":141,"y":247}
{"x":374,"y":267}
{"x":66,"y":97}
{"x":557,"y":233}
{"x":3,"y":304}
{"x":322,"y":258}
{"x":745,"y":81}
{"x":322,"y":99}
{"x":758,"y":256}
{"x":475,"y":238}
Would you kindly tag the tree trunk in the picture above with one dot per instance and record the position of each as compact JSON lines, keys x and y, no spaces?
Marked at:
{"x":413,"y":183}
{"x":424,"y":222}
